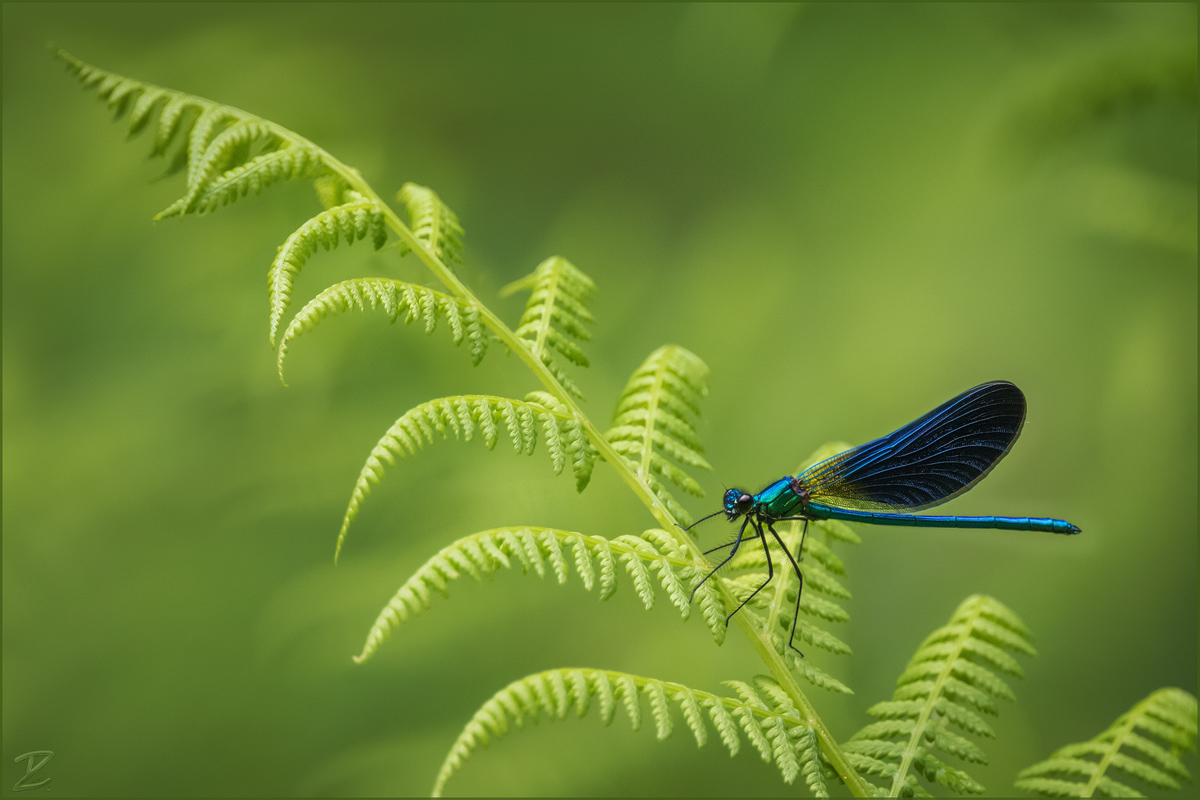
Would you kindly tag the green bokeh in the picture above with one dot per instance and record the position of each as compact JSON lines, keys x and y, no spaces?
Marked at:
{"x":851,"y":212}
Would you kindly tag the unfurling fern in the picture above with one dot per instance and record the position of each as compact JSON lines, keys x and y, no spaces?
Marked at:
{"x":396,"y":298}
{"x":353,"y":220}
{"x":228,"y":152}
{"x":432,"y":222}
{"x":951,"y":677}
{"x":655,"y":556}
{"x":463,"y":415}
{"x":1144,"y":742}
{"x":763,"y":713}
{"x":554,"y":314}
{"x":655,"y":418}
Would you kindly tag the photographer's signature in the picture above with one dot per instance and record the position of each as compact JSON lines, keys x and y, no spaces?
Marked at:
{"x":34,"y":761}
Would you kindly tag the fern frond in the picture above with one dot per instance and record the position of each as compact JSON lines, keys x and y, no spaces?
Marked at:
{"x":1144,"y":742}
{"x":352,"y":221}
{"x":950,"y":677}
{"x":432,"y":222}
{"x":653,"y":557}
{"x":762,"y":713}
{"x":555,"y":313}
{"x":655,"y":418}
{"x":493,"y":417}
{"x":228,"y":152}
{"x":396,"y":298}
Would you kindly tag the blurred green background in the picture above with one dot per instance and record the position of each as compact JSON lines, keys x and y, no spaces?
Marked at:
{"x":851,"y":212}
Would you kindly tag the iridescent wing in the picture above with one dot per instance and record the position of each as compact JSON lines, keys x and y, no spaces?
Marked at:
{"x":927,"y":462}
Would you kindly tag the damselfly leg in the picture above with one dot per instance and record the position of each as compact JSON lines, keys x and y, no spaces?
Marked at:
{"x":736,"y":543}
{"x":799,"y":579}
{"x":770,"y":572}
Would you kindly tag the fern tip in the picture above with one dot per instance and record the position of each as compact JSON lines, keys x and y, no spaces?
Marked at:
{"x":509,"y":289}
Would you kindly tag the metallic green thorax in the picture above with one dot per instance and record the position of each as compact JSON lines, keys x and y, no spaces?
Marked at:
{"x":780,"y":499}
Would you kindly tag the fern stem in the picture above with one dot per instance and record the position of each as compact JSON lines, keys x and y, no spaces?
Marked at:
{"x":539,"y":344}
{"x":762,"y":642}
{"x":778,"y":667}
{"x":914,"y":739}
{"x":783,"y":675}
{"x":1118,"y":741}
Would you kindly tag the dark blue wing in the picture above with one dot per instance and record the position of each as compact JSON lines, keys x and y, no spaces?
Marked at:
{"x":927,"y":462}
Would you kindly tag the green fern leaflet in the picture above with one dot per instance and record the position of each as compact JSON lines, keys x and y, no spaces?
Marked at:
{"x":352,"y":221}
{"x":395,"y":298}
{"x":1144,"y":743}
{"x":432,"y":222}
{"x":492,"y":416}
{"x":653,"y":557}
{"x":655,"y":418}
{"x":762,"y":713}
{"x":950,"y":678}
{"x":555,"y":313}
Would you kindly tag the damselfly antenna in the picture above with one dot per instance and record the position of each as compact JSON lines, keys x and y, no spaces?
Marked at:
{"x":697,"y":522}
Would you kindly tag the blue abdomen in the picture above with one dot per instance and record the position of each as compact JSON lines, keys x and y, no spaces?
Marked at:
{"x":822,"y":511}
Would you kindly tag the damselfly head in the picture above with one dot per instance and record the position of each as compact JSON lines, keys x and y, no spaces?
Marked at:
{"x":737,"y":503}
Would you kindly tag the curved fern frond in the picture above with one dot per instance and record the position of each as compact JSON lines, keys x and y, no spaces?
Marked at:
{"x":352,"y":221}
{"x":655,"y":418}
{"x":396,"y":298}
{"x":493,"y":417}
{"x":228,"y":152}
{"x":332,"y":190}
{"x":432,"y":222}
{"x":653,"y":557}
{"x":762,"y":713}
{"x":1144,"y":742}
{"x":555,"y":313}
{"x":950,"y":678}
